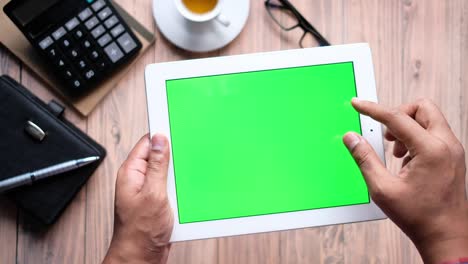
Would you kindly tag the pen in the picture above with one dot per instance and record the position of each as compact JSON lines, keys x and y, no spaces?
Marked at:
{"x":31,"y":177}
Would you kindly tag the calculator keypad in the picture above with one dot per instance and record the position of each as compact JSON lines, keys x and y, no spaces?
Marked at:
{"x":127,"y":43}
{"x":72,"y":23}
{"x":59,"y":33}
{"x":105,"y":13}
{"x":65,"y":42}
{"x":98,"y":31}
{"x":91,"y":23}
{"x":114,"y":52}
{"x":98,"y":5}
{"x":94,"y":55}
{"x":86,"y":46}
{"x":112,"y":21}
{"x":104,"y":40}
{"x":45,"y":43}
{"x":79,"y":33}
{"x":74,"y":54}
{"x":116,"y":31}
{"x":53,"y":53}
{"x":85,"y":14}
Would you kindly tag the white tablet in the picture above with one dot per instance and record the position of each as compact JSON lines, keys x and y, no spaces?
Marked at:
{"x":256,"y":140}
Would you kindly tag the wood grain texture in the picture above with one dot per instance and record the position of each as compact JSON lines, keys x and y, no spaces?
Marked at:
{"x":420,"y":49}
{"x":431,"y":61}
{"x":432,"y":54}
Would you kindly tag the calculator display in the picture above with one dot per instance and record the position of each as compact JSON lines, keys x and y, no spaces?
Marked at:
{"x":29,"y":10}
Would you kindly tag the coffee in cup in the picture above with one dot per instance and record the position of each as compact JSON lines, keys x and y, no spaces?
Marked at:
{"x":202,"y":10}
{"x":200,"y":6}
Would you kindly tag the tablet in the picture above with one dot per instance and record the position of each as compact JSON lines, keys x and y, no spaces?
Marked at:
{"x":256,"y":140}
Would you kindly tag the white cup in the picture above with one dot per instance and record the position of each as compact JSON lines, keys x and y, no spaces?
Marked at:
{"x":213,"y":14}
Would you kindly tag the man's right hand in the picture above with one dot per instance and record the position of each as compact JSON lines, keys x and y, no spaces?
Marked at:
{"x":427,"y":198}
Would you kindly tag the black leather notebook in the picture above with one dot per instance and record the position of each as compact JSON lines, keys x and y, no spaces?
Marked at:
{"x":23,"y":151}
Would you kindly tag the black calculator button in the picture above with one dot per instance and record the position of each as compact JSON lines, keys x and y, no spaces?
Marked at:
{"x":79,"y":33}
{"x":111,"y":22}
{"x":74,"y":54}
{"x":104,"y":40}
{"x":65,"y":42}
{"x":89,"y":74}
{"x":117,"y":30}
{"x":102,"y":65}
{"x":97,"y":32}
{"x":72,"y":23}
{"x":45,"y":43}
{"x":76,"y":83}
{"x":52,"y":53}
{"x":127,"y":43}
{"x":82,"y":64}
{"x":94,"y":55}
{"x":86,"y":44}
{"x":91,"y":23}
{"x":85,"y":14}
{"x":68,"y":74}
{"x":113,"y":52}
{"x":61,"y":64}
{"x":98,"y":5}
{"x":59,"y":33}
{"x":105,"y":13}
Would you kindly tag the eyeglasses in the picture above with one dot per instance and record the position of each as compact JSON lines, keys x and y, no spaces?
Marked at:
{"x":288,"y":18}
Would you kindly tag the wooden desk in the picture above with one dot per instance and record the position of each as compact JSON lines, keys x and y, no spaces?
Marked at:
{"x":420,"y":50}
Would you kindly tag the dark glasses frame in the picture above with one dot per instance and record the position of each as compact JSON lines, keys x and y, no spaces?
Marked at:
{"x":301,"y":21}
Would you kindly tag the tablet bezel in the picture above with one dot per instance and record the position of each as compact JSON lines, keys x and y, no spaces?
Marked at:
{"x":156,"y":76}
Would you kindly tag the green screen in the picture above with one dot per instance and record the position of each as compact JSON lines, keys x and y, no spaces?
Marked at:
{"x":264,"y":142}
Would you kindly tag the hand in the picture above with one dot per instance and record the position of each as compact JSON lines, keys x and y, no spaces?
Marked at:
{"x":427,"y":198}
{"x":143,"y":217}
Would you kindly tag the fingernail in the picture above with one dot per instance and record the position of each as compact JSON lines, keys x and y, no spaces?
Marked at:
{"x":158,"y":142}
{"x":355,"y":100}
{"x":351,"y":140}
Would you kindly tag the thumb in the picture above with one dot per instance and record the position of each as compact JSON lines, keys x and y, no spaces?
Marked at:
{"x":158,"y":160}
{"x":369,"y":163}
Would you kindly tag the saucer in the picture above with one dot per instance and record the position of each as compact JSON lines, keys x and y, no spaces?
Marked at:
{"x":200,"y":36}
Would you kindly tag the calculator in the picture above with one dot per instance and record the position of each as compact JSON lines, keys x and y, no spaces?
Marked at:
{"x":81,"y":41}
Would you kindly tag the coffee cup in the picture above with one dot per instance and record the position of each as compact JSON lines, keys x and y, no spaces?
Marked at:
{"x":202,"y":10}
